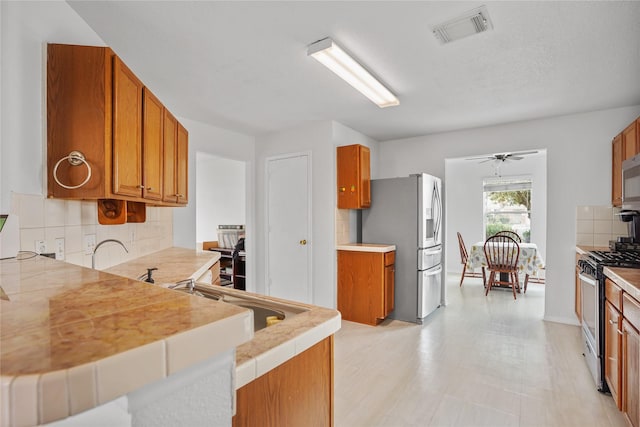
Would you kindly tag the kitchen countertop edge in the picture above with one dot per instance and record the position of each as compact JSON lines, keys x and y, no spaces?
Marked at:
{"x":366,"y":247}
{"x":627,"y":278}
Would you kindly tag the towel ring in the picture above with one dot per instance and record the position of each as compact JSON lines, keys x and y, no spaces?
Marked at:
{"x":75,"y":158}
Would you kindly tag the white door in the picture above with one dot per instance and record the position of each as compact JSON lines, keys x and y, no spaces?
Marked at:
{"x":288,"y":227}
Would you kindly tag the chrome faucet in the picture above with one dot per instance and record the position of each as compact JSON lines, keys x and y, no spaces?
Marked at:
{"x":190,"y":284}
{"x":93,"y":256}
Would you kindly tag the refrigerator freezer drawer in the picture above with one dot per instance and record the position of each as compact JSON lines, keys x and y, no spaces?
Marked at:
{"x":429,"y":291}
{"x":429,"y":258}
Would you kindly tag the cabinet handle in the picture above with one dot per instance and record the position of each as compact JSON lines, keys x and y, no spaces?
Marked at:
{"x":303,"y":242}
{"x":149,"y":188}
{"x":610,"y":321}
{"x":141,"y":186}
{"x":353,"y":188}
{"x":343,"y":189}
{"x":619,"y":332}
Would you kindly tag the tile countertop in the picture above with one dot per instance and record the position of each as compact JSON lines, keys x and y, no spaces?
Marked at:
{"x":274,"y":345}
{"x":67,"y":331}
{"x":366,"y":247}
{"x":173,"y":265}
{"x":627,"y":278}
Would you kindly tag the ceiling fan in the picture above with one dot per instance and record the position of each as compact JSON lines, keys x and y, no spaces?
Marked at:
{"x":502,"y":157}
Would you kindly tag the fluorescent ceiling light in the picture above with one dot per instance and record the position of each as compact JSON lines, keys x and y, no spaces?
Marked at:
{"x":327,"y":52}
{"x":473,"y":22}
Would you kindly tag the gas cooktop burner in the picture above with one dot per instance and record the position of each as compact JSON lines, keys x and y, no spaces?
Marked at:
{"x":629,"y":259}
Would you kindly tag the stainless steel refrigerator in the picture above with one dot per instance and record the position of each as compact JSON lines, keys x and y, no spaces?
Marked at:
{"x":407,"y":212}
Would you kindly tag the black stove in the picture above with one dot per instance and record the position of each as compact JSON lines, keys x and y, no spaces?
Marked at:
{"x":625,"y":259}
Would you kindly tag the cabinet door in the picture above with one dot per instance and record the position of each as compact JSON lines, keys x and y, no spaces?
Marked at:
{"x":170,"y":190}
{"x":616,"y":171}
{"x":612,"y":366}
{"x":361,"y":291}
{"x":364,"y":166}
{"x":152,"y":131}
{"x":578,"y":301}
{"x":353,"y":177}
{"x":127,"y":131}
{"x":629,"y":141}
{"x":182,"y":162}
{"x":389,"y":283}
{"x":630,"y":373}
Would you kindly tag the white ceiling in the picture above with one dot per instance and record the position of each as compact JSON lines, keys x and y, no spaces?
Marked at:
{"x":243,"y":65}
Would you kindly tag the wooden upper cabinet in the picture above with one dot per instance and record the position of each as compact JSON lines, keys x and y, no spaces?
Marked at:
{"x":354,"y":177}
{"x":630,"y":142}
{"x":182,"y":161}
{"x":152,"y":146}
{"x":127,"y":131}
{"x":625,"y":146}
{"x":97,"y":106}
{"x":616,"y":174}
{"x":79,"y":109}
{"x":176,"y":159}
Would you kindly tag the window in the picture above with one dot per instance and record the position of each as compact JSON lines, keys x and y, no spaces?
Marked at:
{"x":507,"y":206}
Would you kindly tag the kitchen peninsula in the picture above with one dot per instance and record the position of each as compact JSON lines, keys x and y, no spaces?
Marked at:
{"x":75,"y":340}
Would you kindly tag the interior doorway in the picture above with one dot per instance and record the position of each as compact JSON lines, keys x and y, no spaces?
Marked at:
{"x":465,"y":205}
{"x":221,"y":189}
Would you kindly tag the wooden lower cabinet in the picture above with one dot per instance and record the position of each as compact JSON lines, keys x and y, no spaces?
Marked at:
{"x":578,"y":299}
{"x":612,"y":365}
{"x":631,"y":373}
{"x":366,"y":285}
{"x":297,"y":393}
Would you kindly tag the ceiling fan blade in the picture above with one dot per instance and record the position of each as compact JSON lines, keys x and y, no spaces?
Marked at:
{"x":480,"y":158}
{"x":488,"y":160}
{"x":515,"y":158}
{"x":522,"y":153}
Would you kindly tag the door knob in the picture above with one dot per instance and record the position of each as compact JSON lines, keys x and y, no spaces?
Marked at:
{"x":303,"y":242}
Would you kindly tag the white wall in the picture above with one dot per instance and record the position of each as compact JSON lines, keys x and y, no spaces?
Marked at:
{"x":26,"y":29}
{"x":315,"y":138}
{"x":220,"y":192}
{"x":464,"y":201}
{"x":578,"y":173}
{"x":319,"y":138}
{"x":207,"y":139}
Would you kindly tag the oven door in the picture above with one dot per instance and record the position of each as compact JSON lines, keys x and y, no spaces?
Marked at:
{"x":590,"y":326}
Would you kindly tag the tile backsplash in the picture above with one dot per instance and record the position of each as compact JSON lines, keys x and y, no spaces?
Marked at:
{"x":342,"y":226}
{"x":596,"y":225}
{"x":42,"y":219}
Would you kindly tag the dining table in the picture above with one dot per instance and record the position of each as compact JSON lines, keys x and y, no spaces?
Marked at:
{"x":530,"y":261}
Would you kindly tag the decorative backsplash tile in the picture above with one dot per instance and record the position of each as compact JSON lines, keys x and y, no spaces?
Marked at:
{"x":597,"y":225}
{"x":49,"y":219}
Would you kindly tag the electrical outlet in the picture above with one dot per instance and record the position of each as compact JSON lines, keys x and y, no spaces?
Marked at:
{"x":89,"y":243}
{"x":40,"y":246}
{"x":60,"y":248}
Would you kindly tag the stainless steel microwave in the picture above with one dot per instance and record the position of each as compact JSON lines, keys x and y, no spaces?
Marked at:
{"x":631,"y":183}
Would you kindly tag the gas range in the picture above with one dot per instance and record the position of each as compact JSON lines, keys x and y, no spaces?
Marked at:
{"x":625,"y":259}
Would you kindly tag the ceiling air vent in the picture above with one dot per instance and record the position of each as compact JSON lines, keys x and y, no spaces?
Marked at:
{"x":473,"y":22}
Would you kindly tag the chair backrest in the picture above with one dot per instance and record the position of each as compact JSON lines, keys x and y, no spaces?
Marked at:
{"x":515,"y":236}
{"x":502,"y":253}
{"x":464,"y":256}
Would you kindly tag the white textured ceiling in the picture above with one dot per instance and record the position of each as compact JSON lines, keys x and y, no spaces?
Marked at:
{"x":243,"y":65}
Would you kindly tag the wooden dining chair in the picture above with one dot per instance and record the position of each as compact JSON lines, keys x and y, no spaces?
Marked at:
{"x":464,"y":256}
{"x":515,"y":236}
{"x":502,"y":253}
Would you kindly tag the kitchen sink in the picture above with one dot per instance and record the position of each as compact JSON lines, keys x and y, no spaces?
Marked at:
{"x":264,"y":311}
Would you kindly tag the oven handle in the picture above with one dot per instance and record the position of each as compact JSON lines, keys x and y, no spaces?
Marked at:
{"x":587,"y":279}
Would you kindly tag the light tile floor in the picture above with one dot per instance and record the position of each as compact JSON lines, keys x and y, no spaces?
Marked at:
{"x":480,"y":361}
